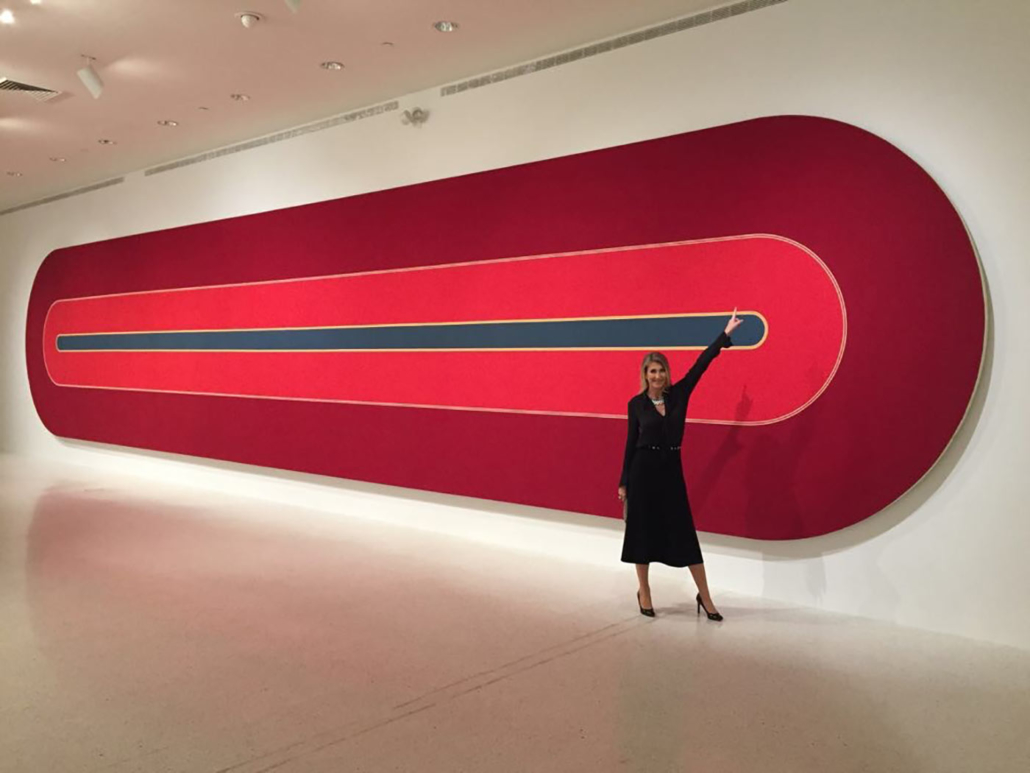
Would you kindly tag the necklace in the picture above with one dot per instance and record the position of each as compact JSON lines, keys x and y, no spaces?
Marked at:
{"x":659,"y":401}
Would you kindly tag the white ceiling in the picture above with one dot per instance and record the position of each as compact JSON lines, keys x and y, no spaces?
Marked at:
{"x":165,"y":59}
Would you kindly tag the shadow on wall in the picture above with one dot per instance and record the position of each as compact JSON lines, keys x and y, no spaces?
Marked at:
{"x":810,"y":552}
{"x":15,"y":280}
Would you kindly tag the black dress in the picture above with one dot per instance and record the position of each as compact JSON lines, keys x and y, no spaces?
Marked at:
{"x":659,"y":524}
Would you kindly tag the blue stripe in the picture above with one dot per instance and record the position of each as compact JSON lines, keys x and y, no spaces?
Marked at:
{"x":636,"y":333}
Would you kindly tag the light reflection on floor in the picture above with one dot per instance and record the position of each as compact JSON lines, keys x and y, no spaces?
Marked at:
{"x":149,"y":629}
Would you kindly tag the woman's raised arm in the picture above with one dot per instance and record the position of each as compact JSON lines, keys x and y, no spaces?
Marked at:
{"x":686,"y":384}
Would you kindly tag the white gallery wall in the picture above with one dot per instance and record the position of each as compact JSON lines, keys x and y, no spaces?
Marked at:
{"x":947,"y":81}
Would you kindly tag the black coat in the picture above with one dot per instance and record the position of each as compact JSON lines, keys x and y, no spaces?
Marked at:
{"x":659,"y":523}
{"x":649,"y":428}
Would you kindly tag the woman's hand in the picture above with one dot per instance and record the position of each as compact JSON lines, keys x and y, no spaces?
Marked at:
{"x":622,"y":493}
{"x":734,"y":323}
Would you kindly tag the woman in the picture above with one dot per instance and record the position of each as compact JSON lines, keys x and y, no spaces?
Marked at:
{"x":659,"y":524}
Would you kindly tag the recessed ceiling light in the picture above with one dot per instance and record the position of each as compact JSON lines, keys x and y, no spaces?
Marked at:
{"x":167,"y":123}
{"x":58,"y":159}
{"x":14,"y":174}
{"x":446,"y":26}
{"x":239,"y":97}
{"x":331,"y":66}
{"x":6,"y":16}
{"x":107,"y":142}
{"x":36,"y":2}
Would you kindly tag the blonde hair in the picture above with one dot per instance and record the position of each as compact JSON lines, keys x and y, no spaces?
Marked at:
{"x":660,"y":359}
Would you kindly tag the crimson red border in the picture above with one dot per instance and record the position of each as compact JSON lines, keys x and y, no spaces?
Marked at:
{"x":894,"y":243}
{"x":761,"y":275}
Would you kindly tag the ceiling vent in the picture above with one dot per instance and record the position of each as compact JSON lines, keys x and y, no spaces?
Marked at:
{"x":38,"y":93}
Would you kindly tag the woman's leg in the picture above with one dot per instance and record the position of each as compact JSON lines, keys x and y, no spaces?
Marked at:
{"x":645,"y":587}
{"x":701,"y":581}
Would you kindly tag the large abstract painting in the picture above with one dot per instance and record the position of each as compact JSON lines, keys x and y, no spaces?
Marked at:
{"x":482,"y":335}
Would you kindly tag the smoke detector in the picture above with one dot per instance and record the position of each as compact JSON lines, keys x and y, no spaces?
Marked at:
{"x":248,"y":18}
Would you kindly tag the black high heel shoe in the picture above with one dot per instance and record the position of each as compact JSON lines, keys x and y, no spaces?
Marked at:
{"x":644,"y":612}
{"x":711,"y":615}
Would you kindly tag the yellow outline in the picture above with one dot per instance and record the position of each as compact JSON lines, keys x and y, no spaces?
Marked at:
{"x":739,"y":237}
{"x":421,"y":324}
{"x":758,"y":314}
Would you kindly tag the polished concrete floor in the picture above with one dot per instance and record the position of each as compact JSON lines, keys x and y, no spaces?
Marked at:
{"x":146,"y":628}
